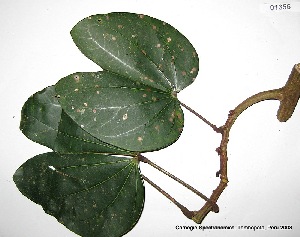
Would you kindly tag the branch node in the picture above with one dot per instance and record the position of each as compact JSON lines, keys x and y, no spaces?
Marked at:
{"x":218,"y":150}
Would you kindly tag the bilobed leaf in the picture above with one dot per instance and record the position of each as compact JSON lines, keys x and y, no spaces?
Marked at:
{"x":129,"y":107}
{"x":44,"y":122}
{"x":91,"y":194}
{"x":138,"y":47}
{"x":126,"y":114}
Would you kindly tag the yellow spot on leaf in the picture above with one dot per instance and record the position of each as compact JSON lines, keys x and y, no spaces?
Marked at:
{"x":193,"y":70}
{"x":140,"y":139}
{"x":76,"y":78}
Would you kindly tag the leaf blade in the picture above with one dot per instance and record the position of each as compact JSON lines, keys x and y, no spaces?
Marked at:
{"x":43,"y":121}
{"x":138,"y":47}
{"x":122,"y":113}
{"x":91,"y":194}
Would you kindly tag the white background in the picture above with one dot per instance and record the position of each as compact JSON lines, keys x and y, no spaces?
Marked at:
{"x":243,"y":49}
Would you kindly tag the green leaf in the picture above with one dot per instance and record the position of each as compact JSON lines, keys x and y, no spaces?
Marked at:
{"x":91,"y":194}
{"x":129,"y":107}
{"x":138,"y":47}
{"x":126,"y":114}
{"x":44,"y":122}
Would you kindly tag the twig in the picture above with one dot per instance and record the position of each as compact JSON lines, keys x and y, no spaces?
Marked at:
{"x":288,"y":97}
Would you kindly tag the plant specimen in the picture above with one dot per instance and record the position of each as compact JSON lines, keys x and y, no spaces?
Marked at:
{"x":98,"y":124}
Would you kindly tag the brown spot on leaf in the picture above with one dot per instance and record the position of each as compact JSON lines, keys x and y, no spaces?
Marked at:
{"x":179,"y":116}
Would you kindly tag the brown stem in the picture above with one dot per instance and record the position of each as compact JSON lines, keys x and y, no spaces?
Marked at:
{"x":291,"y":95}
{"x":288,"y":97}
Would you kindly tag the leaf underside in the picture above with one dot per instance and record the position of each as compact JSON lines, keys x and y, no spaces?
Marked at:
{"x":91,"y":194}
